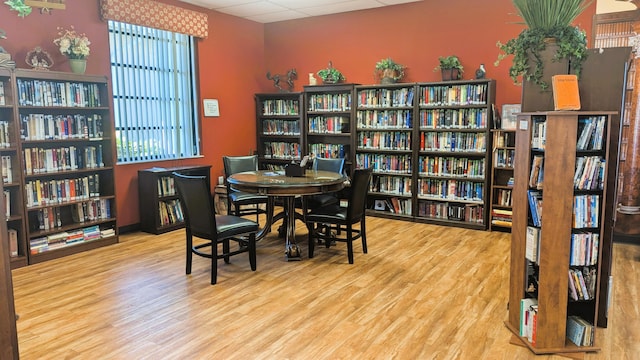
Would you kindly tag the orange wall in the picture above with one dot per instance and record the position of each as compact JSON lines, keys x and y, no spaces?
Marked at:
{"x":413,"y":34}
{"x":233,"y":60}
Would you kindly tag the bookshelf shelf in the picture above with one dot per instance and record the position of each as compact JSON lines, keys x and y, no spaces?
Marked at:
{"x":65,"y":155}
{"x":543,"y":250}
{"x":160,"y":209}
{"x":502,"y":167}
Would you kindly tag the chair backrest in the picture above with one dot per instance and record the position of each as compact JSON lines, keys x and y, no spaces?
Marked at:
{"x":358,"y":195}
{"x":236,"y":164}
{"x":197,"y":205}
{"x":335,"y":165}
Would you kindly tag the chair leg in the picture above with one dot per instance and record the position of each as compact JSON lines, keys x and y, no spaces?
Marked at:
{"x":311,"y":228}
{"x":363,"y":235}
{"x":214,"y":263}
{"x":189,"y":252}
{"x":270,"y":207}
{"x":225,"y":250}
{"x":252,"y":251}
{"x":350,"y":244}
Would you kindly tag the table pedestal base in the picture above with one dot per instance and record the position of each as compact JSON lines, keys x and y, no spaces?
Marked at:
{"x":292,"y":251}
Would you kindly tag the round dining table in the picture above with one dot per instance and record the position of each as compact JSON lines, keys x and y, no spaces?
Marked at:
{"x":277,"y":184}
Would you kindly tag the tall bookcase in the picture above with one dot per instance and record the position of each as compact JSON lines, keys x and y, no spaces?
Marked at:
{"x":66,"y":159}
{"x":502,"y":166}
{"x":160,"y":209}
{"x":11,"y":177}
{"x":453,"y":152}
{"x":328,"y":122}
{"x":279,"y":128}
{"x":573,"y":232}
{"x":383,"y":138}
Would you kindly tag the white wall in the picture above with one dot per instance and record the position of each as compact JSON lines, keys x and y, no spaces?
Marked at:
{"x":609,"y":6}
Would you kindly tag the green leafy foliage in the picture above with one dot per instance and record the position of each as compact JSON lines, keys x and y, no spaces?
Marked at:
{"x":449,"y":62}
{"x":389,"y":64}
{"x":19,"y":6}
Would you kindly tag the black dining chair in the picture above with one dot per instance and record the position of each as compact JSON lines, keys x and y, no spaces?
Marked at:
{"x":342,"y":218}
{"x":202,"y":222}
{"x":325,"y":164}
{"x":241,"y":202}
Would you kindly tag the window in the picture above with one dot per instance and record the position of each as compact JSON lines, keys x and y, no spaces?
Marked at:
{"x":154,"y":93}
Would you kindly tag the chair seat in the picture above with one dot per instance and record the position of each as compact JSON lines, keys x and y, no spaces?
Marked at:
{"x":228,"y":225}
{"x":242,"y":198}
{"x":330,"y":214}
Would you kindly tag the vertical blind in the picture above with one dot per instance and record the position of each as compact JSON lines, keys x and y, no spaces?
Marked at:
{"x":153,"y":93}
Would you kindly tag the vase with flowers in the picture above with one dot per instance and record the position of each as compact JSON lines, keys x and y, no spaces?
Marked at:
{"x":75,"y":46}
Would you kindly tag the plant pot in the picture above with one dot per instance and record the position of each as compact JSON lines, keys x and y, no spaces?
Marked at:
{"x":450,"y":74}
{"x":533,"y":97}
{"x":387,"y":81}
{"x":388,"y":76}
{"x":78,"y":66}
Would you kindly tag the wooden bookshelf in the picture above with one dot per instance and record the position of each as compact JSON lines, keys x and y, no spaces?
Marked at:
{"x":549,"y":280}
{"x":279,"y":129}
{"x":160,"y":209}
{"x":502,"y":166}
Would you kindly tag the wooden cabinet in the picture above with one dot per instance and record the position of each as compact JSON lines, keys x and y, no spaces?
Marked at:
{"x":279,"y":129}
{"x":573,"y":221}
{"x":502,"y":165}
{"x":328,"y":122}
{"x":383,"y":141}
{"x":11,"y":175}
{"x":453,"y":158}
{"x":66,"y":159}
{"x":160,"y":209}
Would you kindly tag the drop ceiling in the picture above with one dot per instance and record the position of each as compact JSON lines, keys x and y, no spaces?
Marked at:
{"x":266,"y":11}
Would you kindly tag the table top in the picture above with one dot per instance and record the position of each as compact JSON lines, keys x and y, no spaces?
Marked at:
{"x":268,"y":182}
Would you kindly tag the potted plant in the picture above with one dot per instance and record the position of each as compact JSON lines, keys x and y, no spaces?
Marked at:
{"x":548,"y":29}
{"x":19,"y":6}
{"x":330,"y":75}
{"x":389,"y":71}
{"x":450,"y":67}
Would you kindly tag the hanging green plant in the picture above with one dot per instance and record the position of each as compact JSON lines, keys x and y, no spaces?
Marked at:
{"x":19,"y":6}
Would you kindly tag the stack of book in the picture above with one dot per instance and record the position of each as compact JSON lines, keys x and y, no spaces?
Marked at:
{"x":579,"y":331}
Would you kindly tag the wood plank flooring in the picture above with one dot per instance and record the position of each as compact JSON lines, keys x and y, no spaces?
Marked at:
{"x":422,"y":292}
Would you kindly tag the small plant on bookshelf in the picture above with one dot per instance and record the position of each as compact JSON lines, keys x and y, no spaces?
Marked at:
{"x":450,"y":67}
{"x":389,"y":71}
{"x":331,"y":75}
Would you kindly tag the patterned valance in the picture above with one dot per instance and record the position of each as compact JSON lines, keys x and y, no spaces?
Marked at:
{"x":156,"y":15}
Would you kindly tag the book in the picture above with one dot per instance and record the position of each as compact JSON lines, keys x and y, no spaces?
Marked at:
{"x":575,"y":330}
{"x":13,"y":242}
{"x":532,"y":243}
{"x":566,"y":95}
{"x":525,"y":306}
{"x":537,"y":172}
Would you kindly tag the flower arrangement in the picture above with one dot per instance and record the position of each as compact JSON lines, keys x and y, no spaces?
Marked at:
{"x":72,"y":44}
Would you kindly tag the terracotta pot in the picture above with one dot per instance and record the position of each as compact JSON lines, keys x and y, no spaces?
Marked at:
{"x":450,"y":74}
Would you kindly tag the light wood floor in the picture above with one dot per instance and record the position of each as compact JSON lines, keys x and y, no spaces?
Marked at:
{"x":422,"y":292}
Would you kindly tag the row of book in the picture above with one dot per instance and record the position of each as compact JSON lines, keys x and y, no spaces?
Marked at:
{"x":502,"y":197}
{"x":538,"y":134}
{"x":535,"y":206}
{"x":529,"y":319}
{"x":329,"y":151}
{"x":170,"y":212}
{"x":280,"y":127}
{"x":453,"y":119}
{"x":384,"y":119}
{"x":166,"y":186}
{"x":451,"y":189}
{"x":504,"y":158}
{"x":42,"y":192}
{"x":591,"y":130}
{"x":5,"y":137}
{"x":536,"y":176}
{"x":7,"y":169}
{"x":394,"y":205}
{"x":461,"y":94}
{"x":281,"y":150}
{"x":385,"y":97}
{"x":13,"y":240}
{"x":453,"y":141}
{"x":384,"y":140}
{"x":394,"y":185}
{"x":329,"y":125}
{"x":586,"y":210}
{"x":49,"y":126}
{"x":57,"y":93}
{"x":579,"y":331}
{"x":2,"y":98}
{"x":589,"y":173}
{"x":330,"y":102}
{"x":505,"y":139}
{"x":582,"y":283}
{"x":385,"y":163}
{"x":39,"y":160}
{"x":68,"y":238}
{"x":502,"y":217}
{"x":532,"y":244}
{"x":451,"y":211}
{"x":280,"y":107}
{"x":7,"y":203}
{"x":451,"y":166}
{"x":46,"y":219}
{"x":584,"y":249}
